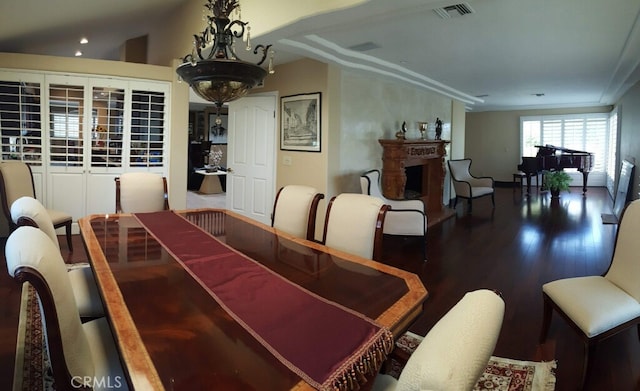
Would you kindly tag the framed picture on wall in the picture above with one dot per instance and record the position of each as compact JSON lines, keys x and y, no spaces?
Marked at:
{"x":300,"y":122}
{"x":218,"y":132}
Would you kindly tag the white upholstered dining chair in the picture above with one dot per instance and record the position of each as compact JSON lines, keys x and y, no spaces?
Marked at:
{"x":27,"y":211}
{"x":598,"y":307}
{"x":404,"y":218}
{"x":455,"y":352}
{"x":141,"y":192}
{"x":77,"y":351}
{"x":295,"y":209}
{"x":16,"y":180}
{"x":467,"y":185}
{"x":354,"y":224}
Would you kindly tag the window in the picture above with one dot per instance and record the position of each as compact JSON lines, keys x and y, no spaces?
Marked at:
{"x":107,"y":126}
{"x":583,"y":132}
{"x":147,"y":129}
{"x":66,"y":107}
{"x":20,"y":121}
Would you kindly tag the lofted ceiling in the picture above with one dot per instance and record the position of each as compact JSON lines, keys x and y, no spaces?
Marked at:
{"x":501,"y":55}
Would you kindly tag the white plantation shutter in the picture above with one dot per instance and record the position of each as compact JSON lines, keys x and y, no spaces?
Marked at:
{"x":66,"y":113}
{"x":20,"y":121}
{"x":148,"y":128}
{"x":107,"y":127}
{"x":583,"y":132}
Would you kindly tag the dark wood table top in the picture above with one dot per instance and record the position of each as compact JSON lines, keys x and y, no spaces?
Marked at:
{"x":172,"y":334}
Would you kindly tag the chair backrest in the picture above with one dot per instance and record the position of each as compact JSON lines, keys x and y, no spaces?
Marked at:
{"x":460,"y":169}
{"x":624,"y":270}
{"x":370,"y":184}
{"x":354,"y":224}
{"x":29,"y":211}
{"x":294,"y":210}
{"x":16,"y":180}
{"x":455,"y":352}
{"x":32,"y":257}
{"x":141,"y":192}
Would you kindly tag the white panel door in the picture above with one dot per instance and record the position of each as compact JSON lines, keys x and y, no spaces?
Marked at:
{"x":251,"y":151}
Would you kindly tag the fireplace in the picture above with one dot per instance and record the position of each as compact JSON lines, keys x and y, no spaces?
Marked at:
{"x":415,"y":169}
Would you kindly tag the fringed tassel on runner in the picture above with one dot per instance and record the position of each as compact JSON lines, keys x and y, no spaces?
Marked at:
{"x":368,"y":364}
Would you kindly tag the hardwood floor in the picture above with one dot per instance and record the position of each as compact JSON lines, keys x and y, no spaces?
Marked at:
{"x":514,"y":248}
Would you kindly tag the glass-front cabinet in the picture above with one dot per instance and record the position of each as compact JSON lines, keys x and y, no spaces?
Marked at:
{"x":78,"y":133}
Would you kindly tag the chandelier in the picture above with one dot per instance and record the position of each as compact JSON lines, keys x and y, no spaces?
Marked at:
{"x":217,"y":74}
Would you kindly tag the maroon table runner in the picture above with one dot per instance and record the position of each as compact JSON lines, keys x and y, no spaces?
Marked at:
{"x":326,"y":344}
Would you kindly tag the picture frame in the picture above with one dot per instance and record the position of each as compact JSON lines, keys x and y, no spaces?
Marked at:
{"x":300,"y":122}
{"x":218,"y":134}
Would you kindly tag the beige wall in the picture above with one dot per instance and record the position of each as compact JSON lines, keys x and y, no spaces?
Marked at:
{"x":179,"y":104}
{"x":307,"y":168}
{"x":492,"y":139}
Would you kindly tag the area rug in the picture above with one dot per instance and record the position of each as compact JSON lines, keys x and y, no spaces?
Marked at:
{"x":32,"y":368}
{"x":501,"y":374}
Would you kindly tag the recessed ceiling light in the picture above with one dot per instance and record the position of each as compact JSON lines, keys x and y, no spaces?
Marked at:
{"x":78,"y":53}
{"x":84,"y":41}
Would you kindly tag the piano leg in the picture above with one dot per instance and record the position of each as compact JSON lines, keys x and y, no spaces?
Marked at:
{"x":528,"y":184}
{"x":585,"y":174}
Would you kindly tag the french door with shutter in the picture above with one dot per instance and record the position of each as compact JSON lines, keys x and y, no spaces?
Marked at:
{"x":78,"y":133}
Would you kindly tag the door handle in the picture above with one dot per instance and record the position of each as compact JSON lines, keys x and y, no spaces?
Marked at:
{"x":230,"y":170}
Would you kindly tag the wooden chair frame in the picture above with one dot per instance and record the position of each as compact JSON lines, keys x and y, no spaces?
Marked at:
{"x":377,"y":240}
{"x":590,"y":343}
{"x":471,"y":198}
{"x":395,"y":207}
{"x":118,"y":202}
{"x":6,"y":208}
{"x":61,"y":374}
{"x":313,"y":211}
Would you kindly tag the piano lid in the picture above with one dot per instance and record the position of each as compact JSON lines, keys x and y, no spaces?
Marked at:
{"x":548,"y":149}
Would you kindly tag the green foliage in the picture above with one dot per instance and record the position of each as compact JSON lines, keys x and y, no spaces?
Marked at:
{"x":559,"y":180}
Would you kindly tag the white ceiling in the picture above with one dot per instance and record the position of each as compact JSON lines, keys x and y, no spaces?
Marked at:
{"x":575,"y":52}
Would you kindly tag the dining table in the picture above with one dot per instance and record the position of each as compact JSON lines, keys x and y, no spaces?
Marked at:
{"x":175,"y":331}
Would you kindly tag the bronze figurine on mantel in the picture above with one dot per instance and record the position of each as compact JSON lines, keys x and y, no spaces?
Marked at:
{"x":402,"y":134}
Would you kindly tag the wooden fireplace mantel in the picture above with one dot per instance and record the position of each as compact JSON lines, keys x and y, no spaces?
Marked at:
{"x":399,"y":154}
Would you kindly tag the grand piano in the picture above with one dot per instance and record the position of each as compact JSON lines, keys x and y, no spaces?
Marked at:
{"x":552,"y":158}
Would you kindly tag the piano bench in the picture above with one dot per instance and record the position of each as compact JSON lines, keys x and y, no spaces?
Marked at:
{"x":521,"y":176}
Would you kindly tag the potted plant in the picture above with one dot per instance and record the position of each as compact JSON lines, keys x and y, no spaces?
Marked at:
{"x":556,"y":181}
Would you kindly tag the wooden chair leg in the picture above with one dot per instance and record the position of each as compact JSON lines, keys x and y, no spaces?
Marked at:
{"x":67,"y":228}
{"x":424,"y":255}
{"x":493,"y":199}
{"x":589,"y":350}
{"x":470,"y":205}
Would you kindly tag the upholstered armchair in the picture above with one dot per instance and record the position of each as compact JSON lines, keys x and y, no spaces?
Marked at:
{"x":354,"y":224}
{"x":16,"y":180}
{"x":294,"y":210}
{"x":141,"y":192}
{"x":598,"y":307}
{"x":468,"y":186}
{"x":455,"y":352}
{"x":77,"y":350}
{"x":27,"y":211}
{"x":405,"y":217}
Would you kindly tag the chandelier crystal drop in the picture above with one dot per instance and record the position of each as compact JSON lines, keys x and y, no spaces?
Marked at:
{"x":213,"y":69}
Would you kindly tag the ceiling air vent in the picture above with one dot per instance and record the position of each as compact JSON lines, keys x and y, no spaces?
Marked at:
{"x":452,"y":11}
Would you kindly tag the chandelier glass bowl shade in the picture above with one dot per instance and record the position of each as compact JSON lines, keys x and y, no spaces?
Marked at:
{"x":213,"y":69}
